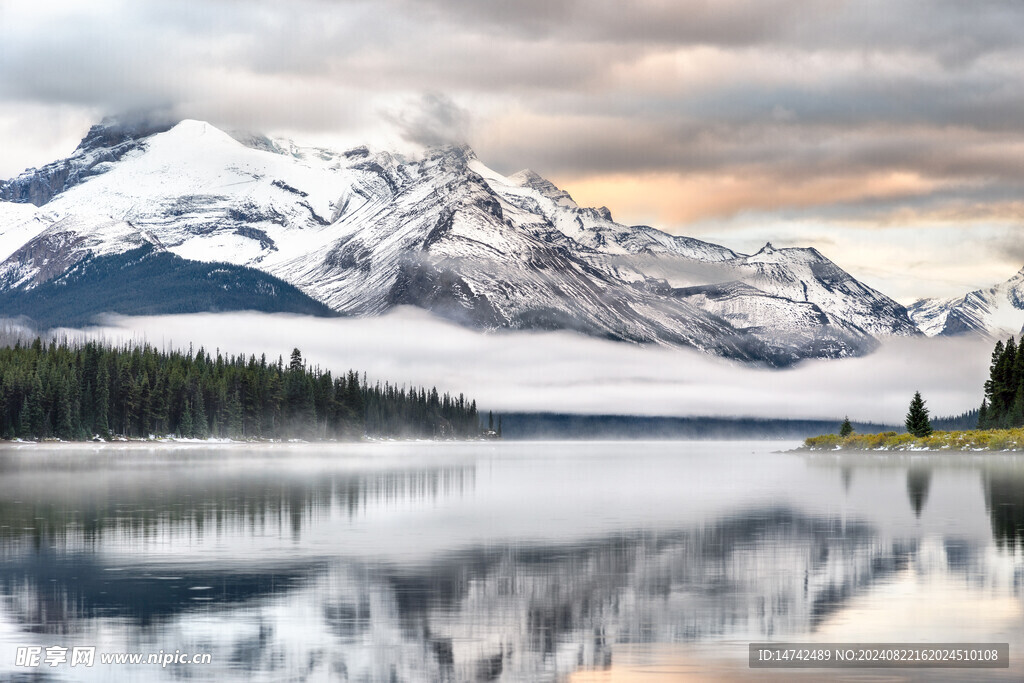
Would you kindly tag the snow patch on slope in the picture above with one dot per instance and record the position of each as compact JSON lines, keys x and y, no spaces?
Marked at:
{"x":19,"y":223}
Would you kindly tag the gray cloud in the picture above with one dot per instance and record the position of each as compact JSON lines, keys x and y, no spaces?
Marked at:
{"x":1009,"y":246}
{"x":788,"y":91}
{"x":954,"y":33}
{"x":700,"y":21}
{"x":433,"y":120}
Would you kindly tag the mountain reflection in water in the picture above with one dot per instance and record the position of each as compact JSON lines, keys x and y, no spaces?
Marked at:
{"x":496,"y":562}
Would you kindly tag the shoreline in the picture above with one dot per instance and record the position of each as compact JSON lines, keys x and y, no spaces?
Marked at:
{"x":972,"y":441}
{"x":226,"y":444}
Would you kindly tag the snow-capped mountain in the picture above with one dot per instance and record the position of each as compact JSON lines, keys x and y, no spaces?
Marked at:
{"x":364,"y":231}
{"x":103,"y":144}
{"x":995,"y":311}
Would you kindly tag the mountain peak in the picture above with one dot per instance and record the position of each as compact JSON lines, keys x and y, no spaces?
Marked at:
{"x":112,"y":131}
{"x":533,"y":180}
{"x":108,"y":141}
{"x":193,"y":128}
{"x":803,"y":254}
{"x":526,"y":177}
{"x":530,"y":178}
{"x":460,"y":153}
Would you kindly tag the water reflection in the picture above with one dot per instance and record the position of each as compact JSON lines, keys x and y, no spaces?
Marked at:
{"x":475,"y":571}
{"x":1004,"y":498}
{"x":49,"y":506}
{"x":480,"y":612}
{"x":847,"y":475}
{"x":919,"y":479}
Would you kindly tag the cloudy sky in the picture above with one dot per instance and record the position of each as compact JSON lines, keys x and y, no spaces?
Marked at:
{"x":888,"y":134}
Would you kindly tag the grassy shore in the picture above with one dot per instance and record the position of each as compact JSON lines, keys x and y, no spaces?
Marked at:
{"x":974,"y":440}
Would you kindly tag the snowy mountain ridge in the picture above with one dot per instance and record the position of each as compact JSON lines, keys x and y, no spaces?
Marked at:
{"x":364,"y":231}
{"x":993,"y":311}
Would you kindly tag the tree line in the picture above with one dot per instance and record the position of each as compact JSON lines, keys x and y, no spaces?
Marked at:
{"x":76,"y":391}
{"x":1003,"y":405}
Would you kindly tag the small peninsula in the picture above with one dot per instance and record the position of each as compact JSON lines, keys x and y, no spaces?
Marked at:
{"x":970,"y":440}
{"x":1000,"y":419}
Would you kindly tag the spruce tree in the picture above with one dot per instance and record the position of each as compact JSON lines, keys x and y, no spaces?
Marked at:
{"x":185,"y":427}
{"x":36,"y":411}
{"x":846,"y":428}
{"x":991,"y":385}
{"x":65,"y":420}
{"x":102,"y":401}
{"x":234,"y":416}
{"x":24,"y":428}
{"x":200,"y":422}
{"x":917,"y":420}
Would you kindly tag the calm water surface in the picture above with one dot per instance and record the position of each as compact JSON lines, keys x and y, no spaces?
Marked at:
{"x":501,"y":561}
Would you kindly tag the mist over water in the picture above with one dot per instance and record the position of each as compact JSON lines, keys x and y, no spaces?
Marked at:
{"x":567,"y":372}
{"x":501,"y":561}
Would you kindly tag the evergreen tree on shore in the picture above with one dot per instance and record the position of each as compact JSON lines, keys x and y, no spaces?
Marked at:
{"x":846,"y":428}
{"x":1003,"y":404}
{"x":917,"y":417}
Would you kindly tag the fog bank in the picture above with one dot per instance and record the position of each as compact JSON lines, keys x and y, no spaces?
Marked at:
{"x":566,"y":372}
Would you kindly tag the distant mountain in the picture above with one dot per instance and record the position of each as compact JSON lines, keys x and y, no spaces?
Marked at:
{"x":561,"y":426}
{"x":995,"y":311}
{"x":362,"y":232}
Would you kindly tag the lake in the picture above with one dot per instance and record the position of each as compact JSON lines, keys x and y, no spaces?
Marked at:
{"x":509,"y":561}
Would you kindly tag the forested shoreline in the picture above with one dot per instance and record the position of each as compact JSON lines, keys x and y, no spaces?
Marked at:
{"x":84,"y":390}
{"x":1003,"y":405}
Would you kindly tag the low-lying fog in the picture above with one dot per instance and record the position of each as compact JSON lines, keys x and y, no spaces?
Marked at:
{"x":566,"y":372}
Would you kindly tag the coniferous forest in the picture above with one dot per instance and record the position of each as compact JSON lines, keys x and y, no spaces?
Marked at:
{"x":1003,"y":405}
{"x":77,"y":391}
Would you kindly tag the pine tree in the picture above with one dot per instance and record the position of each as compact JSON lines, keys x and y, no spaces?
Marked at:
{"x":102,"y":401}
{"x":24,"y":429}
{"x":185,"y":427}
{"x":846,"y":428}
{"x":992,"y":389}
{"x":36,"y":411}
{"x":65,"y":427}
{"x":917,"y":420}
{"x":200,"y":422}
{"x":234,"y":416}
